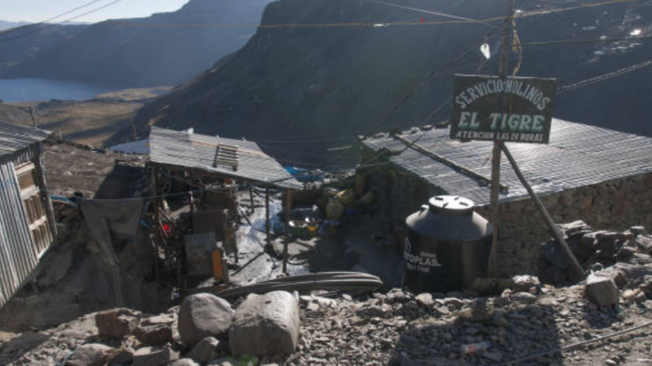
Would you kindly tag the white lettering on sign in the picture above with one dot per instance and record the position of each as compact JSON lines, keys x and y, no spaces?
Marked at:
{"x":422,"y":262}
{"x":503,"y":122}
{"x":499,"y":86}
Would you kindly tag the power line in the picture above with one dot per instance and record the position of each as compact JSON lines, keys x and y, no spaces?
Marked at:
{"x":586,"y":40}
{"x":62,"y":22}
{"x":429,"y":12}
{"x":600,"y":78}
{"x":12,"y":30}
{"x":368,"y":24}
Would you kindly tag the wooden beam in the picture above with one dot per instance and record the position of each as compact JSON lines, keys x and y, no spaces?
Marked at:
{"x":575,"y":264}
{"x":448,"y":162}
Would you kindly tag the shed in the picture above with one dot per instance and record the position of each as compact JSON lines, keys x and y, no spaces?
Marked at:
{"x":27,"y":225}
{"x":237,"y":159}
{"x":220,"y":158}
{"x":601,"y":176}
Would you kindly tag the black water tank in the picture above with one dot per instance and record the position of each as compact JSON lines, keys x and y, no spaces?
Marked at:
{"x":446,"y":247}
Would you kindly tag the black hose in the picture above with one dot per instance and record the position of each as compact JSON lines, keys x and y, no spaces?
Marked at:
{"x":333,"y":281}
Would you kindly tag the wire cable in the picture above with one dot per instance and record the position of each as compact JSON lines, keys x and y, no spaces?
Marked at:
{"x":12,"y":30}
{"x":369,"y":24}
{"x":600,"y":78}
{"x":429,"y":12}
{"x":60,"y":23}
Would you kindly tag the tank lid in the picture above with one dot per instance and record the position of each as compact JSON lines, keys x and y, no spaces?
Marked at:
{"x":451,"y":206}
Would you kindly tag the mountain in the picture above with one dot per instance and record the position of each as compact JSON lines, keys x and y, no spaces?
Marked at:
{"x":25,"y":41}
{"x":4,"y":24}
{"x":164,"y":49}
{"x":301,"y":90}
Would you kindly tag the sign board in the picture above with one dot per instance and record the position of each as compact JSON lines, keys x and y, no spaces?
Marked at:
{"x":509,"y":109}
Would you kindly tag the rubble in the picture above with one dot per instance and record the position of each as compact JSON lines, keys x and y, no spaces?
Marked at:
{"x":155,"y":330}
{"x":206,"y":350}
{"x":592,"y":247}
{"x":116,"y":323}
{"x":154,"y":356}
{"x":89,"y":355}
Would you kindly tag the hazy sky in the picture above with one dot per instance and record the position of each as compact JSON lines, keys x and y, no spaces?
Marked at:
{"x":39,"y":10}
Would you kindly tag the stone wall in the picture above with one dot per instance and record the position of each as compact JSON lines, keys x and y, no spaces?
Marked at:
{"x":614,"y":205}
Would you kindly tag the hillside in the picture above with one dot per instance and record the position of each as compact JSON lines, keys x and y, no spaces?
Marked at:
{"x":303,"y":89}
{"x":4,"y":24}
{"x":17,"y":46}
{"x":164,"y":49}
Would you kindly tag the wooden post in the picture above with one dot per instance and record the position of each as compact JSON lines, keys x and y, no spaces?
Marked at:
{"x":577,"y":267}
{"x":495,"y":162}
{"x":155,"y":220}
{"x":267,"y":220}
{"x":31,"y":114}
{"x":251,"y":198}
{"x":288,"y":208}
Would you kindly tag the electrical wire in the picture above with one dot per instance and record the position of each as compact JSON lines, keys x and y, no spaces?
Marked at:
{"x":586,"y":40}
{"x":60,"y":23}
{"x":370,"y":24}
{"x":600,"y":78}
{"x":429,"y":12}
{"x":12,"y":30}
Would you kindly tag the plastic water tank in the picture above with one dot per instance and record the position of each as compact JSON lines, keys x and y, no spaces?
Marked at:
{"x":446,"y":247}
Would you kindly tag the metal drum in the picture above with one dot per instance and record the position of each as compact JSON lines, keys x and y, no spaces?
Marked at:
{"x":446,"y":247}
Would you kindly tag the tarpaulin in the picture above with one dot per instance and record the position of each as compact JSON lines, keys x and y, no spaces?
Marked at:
{"x":110,"y":220}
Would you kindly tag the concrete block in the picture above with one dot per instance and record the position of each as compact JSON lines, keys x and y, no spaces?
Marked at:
{"x":266,"y":325}
{"x":601,"y":290}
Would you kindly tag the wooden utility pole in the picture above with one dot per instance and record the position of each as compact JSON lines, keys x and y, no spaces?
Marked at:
{"x":495,"y":163}
{"x":31,"y":114}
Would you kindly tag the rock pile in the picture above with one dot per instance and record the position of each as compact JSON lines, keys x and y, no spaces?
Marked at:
{"x":593,"y":249}
{"x":396,"y":328}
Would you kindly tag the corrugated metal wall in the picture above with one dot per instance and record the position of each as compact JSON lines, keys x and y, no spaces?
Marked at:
{"x":18,"y":256}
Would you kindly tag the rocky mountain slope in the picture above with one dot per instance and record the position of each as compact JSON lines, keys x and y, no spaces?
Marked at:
{"x":300,"y":90}
{"x":164,"y":49}
{"x":16,"y":46}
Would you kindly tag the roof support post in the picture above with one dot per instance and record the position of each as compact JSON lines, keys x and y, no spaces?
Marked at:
{"x":267,"y":219}
{"x":288,"y":208}
{"x":577,"y":267}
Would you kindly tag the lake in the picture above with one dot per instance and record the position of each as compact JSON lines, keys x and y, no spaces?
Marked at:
{"x":22,"y":90}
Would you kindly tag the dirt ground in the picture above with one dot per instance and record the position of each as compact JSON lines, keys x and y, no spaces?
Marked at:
{"x":106,"y":119}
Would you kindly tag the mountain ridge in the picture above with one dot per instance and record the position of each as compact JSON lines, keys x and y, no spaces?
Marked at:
{"x":163,"y":49}
{"x":301,"y":83}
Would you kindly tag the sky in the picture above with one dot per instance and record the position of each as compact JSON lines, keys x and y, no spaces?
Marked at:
{"x":39,"y":10}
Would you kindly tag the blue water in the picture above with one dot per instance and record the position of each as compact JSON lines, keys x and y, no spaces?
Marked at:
{"x":22,"y":90}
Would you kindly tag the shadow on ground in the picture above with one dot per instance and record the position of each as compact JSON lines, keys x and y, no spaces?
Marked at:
{"x":509,"y":334}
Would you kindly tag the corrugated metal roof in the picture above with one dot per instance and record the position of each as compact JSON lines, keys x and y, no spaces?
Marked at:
{"x":578,"y":155}
{"x":14,"y":138}
{"x":198,"y":151}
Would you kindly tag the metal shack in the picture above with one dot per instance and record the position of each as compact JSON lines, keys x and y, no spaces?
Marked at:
{"x":600,"y":176}
{"x":27,"y":226}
